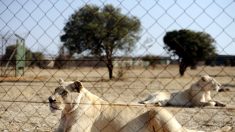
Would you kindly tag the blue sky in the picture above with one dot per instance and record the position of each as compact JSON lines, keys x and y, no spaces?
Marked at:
{"x":44,"y":21}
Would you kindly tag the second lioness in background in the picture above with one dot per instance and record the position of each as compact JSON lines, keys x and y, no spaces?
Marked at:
{"x":199,"y":94}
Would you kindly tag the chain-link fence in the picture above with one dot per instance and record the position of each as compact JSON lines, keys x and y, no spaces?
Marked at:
{"x":138,"y":63}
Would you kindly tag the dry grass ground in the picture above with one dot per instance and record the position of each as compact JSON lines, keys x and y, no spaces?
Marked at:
{"x":24,"y":106}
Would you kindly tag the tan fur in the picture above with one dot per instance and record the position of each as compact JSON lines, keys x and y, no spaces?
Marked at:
{"x":83,"y":111}
{"x":199,"y":94}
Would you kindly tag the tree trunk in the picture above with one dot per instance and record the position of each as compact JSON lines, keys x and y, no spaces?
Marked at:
{"x":182,"y":68}
{"x":110,"y":69}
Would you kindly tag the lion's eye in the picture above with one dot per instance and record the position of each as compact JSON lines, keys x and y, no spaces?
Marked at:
{"x":63,"y":93}
{"x":58,"y":89}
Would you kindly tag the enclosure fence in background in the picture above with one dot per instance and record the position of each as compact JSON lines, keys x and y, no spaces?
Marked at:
{"x":121,"y":50}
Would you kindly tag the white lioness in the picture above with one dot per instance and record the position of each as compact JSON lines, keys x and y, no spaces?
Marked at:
{"x":199,"y":94}
{"x":83,"y":111}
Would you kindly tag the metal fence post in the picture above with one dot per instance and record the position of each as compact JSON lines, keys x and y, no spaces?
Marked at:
{"x":20,"y":58}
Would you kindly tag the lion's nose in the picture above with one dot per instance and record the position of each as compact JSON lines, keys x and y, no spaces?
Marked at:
{"x":51,"y":100}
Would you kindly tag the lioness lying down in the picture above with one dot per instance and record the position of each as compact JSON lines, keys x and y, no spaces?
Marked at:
{"x":199,"y":94}
{"x":83,"y":111}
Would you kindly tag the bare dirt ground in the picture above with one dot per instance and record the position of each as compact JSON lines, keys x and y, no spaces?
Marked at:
{"x":24,"y":105}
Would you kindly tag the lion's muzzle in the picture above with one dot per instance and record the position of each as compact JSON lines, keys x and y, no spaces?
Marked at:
{"x":51,"y":100}
{"x":53,"y":104}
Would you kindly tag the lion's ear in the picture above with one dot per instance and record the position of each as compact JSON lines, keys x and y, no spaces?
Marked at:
{"x":78,"y":86}
{"x":61,"y":81}
{"x":205,"y":78}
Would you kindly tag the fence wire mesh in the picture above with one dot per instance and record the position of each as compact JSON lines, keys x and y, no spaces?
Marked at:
{"x":148,"y":68}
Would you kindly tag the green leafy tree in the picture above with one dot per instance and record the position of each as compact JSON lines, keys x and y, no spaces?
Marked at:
{"x":189,"y":46}
{"x":10,"y":55}
{"x":38,"y":59}
{"x":100,"y":31}
{"x":31,"y":58}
